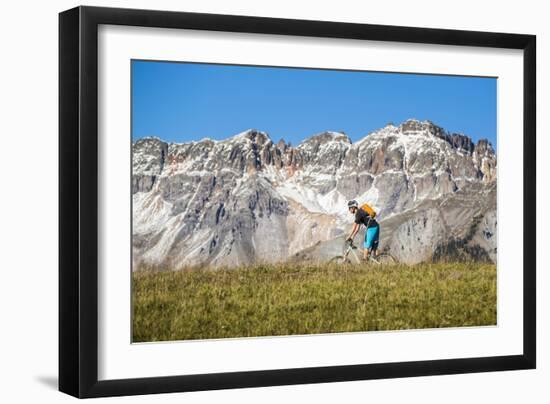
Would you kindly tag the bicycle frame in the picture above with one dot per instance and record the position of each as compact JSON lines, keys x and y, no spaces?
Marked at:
{"x":351,"y":249}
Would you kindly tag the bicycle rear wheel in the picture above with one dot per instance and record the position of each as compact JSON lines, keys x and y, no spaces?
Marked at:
{"x":384,"y":259}
{"x":339,"y":259}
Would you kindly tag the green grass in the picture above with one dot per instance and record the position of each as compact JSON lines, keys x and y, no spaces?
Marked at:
{"x":309,"y":299}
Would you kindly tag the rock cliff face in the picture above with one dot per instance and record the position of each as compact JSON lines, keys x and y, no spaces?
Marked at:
{"x":248,"y":199}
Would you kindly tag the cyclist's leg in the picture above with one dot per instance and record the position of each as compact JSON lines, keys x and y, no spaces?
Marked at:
{"x":365,"y":246}
{"x":375,"y":240}
{"x":370,"y":235}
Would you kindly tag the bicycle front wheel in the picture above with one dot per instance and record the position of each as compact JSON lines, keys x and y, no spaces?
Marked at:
{"x":384,"y":259}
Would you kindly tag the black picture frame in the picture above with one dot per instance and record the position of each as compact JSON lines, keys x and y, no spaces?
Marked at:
{"x":78,"y":201}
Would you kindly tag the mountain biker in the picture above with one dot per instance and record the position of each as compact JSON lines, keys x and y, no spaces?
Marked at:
{"x":372,"y":232}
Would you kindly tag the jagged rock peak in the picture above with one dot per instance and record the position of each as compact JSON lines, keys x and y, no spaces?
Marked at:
{"x":484,"y":147}
{"x":463,"y":142}
{"x":458,"y":141}
{"x":149,"y":140}
{"x":325,"y":137}
{"x":281,"y":144}
{"x":254,"y":135}
{"x":150,"y":145}
{"x":414,"y":125}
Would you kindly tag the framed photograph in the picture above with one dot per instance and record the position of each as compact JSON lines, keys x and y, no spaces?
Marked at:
{"x":249,"y":201}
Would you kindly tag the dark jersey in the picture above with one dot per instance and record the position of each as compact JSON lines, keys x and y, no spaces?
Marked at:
{"x":362,"y":217}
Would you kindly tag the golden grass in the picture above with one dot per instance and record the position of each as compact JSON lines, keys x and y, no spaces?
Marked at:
{"x":292,"y":299}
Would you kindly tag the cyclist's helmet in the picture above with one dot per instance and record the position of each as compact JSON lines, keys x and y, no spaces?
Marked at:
{"x":353,"y":204}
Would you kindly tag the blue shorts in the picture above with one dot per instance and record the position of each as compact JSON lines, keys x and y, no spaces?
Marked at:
{"x":371,"y":237}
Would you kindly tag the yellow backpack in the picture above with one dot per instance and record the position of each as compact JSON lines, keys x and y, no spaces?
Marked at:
{"x":366,"y":207}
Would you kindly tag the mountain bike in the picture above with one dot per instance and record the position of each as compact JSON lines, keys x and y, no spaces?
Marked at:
{"x":350,"y":256}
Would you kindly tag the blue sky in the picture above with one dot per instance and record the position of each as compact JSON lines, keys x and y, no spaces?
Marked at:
{"x":180,"y":102}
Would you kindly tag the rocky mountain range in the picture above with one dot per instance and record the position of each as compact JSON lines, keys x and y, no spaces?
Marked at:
{"x":248,"y":199}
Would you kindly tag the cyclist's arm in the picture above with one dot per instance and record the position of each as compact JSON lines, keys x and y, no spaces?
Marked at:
{"x":354,"y":231}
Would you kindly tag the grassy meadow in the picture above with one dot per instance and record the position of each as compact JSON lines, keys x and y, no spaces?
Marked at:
{"x":292,"y":299}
